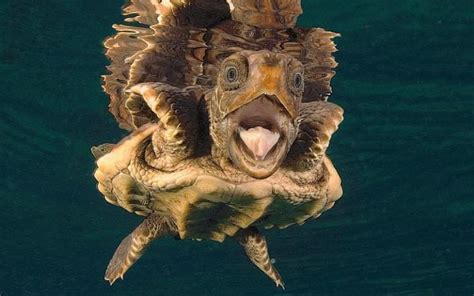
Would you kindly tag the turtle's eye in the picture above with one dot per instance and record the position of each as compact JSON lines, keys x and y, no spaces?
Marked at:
{"x":296,"y":81}
{"x":234,"y":74}
{"x":231,"y":74}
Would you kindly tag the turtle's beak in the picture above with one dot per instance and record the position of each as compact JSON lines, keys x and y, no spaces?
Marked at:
{"x":268,"y":80}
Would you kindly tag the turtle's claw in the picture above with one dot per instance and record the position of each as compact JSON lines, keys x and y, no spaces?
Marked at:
{"x":114,"y":272}
{"x":121,"y":261}
{"x":280,"y":283}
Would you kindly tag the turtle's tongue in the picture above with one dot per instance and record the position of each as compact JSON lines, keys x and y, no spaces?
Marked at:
{"x":259,"y":140}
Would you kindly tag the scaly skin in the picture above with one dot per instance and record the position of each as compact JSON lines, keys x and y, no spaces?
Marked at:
{"x":156,"y":172}
{"x":189,"y":174}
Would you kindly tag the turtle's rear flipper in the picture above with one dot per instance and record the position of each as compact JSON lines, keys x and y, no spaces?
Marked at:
{"x":255,"y":247}
{"x":133,"y":246}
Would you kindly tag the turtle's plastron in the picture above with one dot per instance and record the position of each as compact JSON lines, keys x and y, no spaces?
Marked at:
{"x":226,"y":102}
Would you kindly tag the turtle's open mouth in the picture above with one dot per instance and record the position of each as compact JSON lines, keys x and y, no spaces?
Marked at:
{"x":259,"y":136}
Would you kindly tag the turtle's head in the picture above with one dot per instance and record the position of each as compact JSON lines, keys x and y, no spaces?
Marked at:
{"x":254,"y":110}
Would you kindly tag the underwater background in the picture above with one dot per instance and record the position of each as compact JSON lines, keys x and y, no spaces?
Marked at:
{"x":405,"y":152}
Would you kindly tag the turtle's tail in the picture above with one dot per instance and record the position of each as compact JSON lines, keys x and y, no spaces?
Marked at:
{"x":255,"y":247}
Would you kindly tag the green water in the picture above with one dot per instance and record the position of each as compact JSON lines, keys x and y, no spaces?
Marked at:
{"x":405,"y":153}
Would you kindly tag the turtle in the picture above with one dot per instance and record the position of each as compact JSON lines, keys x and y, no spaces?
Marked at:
{"x":227,"y":107}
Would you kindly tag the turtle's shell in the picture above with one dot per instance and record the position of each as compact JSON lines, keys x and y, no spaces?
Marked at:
{"x":213,"y":208}
{"x":182,"y":42}
{"x":206,"y":207}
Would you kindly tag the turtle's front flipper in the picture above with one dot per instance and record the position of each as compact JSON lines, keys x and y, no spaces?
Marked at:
{"x":318,"y":122}
{"x":255,"y":247}
{"x":177,"y":111}
{"x":133,"y":246}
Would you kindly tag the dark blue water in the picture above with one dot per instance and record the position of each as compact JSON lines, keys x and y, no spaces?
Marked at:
{"x":405,"y":153}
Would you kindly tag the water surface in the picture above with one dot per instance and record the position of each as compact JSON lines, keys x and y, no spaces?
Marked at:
{"x":404,"y":151}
